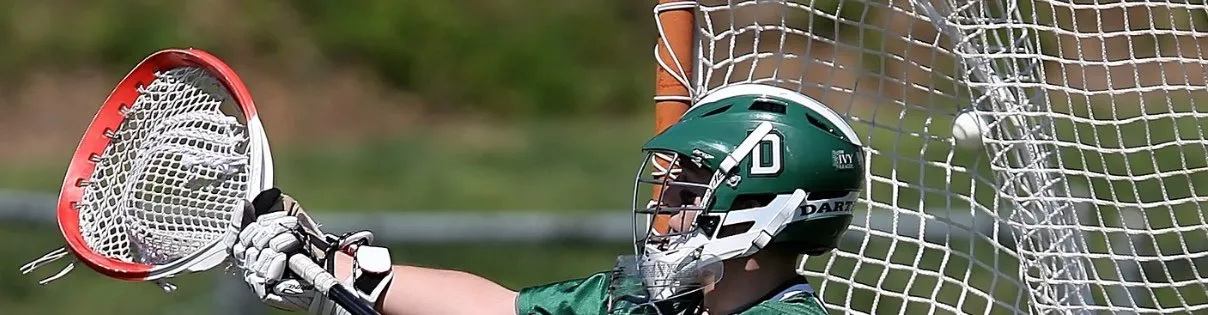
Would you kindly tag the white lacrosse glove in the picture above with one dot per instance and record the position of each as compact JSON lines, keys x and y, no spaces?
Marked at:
{"x":262,"y":253}
{"x":282,"y":230}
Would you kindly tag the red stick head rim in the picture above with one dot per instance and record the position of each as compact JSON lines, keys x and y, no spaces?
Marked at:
{"x":94,"y":142}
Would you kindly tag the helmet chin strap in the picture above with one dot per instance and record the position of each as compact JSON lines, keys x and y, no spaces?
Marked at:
{"x":681,"y":267}
{"x":784,"y":208}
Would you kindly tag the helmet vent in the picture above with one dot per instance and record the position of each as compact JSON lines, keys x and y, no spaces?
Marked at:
{"x":768,"y":106}
{"x":719,"y":110}
{"x":817,"y":123}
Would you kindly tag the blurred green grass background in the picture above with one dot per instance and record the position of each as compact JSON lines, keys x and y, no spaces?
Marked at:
{"x":456,"y":105}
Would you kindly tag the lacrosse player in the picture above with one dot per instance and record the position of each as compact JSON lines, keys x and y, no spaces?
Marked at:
{"x":751,"y":180}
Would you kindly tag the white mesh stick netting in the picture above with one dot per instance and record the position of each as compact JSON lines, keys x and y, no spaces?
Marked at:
{"x":173,"y":176}
{"x":1089,"y":195}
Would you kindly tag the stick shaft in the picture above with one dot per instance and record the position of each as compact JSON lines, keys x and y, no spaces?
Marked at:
{"x":327,"y":283}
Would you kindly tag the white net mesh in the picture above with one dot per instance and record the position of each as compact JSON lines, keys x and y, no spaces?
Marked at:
{"x":174,"y":175}
{"x":1089,"y":195}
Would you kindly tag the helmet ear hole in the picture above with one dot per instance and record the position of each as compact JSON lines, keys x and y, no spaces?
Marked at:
{"x":735,"y":229}
{"x":707,"y":223}
{"x":747,"y":201}
{"x":719,"y":110}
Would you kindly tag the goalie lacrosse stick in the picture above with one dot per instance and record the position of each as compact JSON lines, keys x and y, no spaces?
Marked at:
{"x":158,"y":184}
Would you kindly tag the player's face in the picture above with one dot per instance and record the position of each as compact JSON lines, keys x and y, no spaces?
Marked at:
{"x":679,"y":199}
{"x":682,"y":221}
{"x":667,"y":256}
{"x":685,"y":195}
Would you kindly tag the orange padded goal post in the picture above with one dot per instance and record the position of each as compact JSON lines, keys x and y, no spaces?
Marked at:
{"x":673,"y":58}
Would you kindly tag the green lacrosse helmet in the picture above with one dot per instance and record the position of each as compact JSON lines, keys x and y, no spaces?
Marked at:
{"x":762,"y":166}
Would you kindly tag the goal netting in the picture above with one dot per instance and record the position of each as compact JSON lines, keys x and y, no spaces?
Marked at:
{"x":1088,"y":195}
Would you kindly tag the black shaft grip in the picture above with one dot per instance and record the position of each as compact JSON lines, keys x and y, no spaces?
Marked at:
{"x":349,"y":301}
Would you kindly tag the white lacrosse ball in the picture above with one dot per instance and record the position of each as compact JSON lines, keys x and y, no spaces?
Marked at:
{"x":968,"y":130}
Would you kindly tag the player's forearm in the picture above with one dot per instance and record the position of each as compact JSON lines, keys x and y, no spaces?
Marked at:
{"x":427,"y":291}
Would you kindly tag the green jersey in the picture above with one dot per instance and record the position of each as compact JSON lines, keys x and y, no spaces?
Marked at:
{"x":589,"y":296}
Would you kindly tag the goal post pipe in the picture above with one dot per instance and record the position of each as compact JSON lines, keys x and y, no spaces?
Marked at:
{"x":673,"y":53}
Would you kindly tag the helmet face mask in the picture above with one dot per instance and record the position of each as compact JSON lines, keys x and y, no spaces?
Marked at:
{"x":669,"y":257}
{"x":750,"y":167}
{"x":679,"y":201}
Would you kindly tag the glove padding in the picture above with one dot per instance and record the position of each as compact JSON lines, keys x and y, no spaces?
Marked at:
{"x":262,"y":252}
{"x":264,"y":247}
{"x":280,"y":231}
